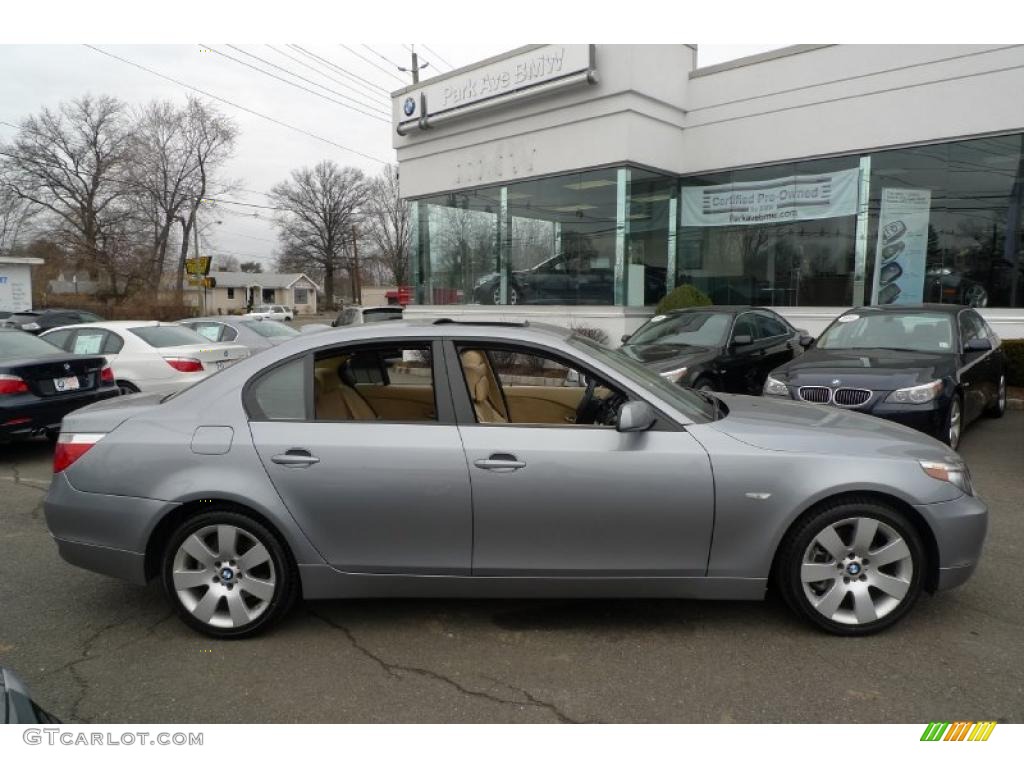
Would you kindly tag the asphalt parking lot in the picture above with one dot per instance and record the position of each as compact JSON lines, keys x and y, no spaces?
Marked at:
{"x":96,"y":650}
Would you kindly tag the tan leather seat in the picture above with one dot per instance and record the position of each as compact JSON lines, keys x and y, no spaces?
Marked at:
{"x":483,"y":388}
{"x":336,"y":397}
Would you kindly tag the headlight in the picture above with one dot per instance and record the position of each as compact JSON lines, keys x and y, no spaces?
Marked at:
{"x":956,"y":474}
{"x":923,"y":393}
{"x":773,"y":386}
{"x":675,"y":375}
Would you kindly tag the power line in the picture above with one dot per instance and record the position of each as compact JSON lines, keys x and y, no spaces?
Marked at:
{"x":236,"y":106}
{"x":381,"y":55}
{"x":372,"y":88}
{"x":364,"y":93}
{"x":436,"y":55}
{"x":295,"y":85}
{"x":373,"y":64}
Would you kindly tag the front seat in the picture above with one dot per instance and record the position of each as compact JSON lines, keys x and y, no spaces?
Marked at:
{"x":356,"y":403}
{"x":483,"y":389}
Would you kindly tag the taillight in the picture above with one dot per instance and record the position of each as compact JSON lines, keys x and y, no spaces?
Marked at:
{"x":12,"y":385}
{"x":184,"y":364}
{"x":71,"y":446}
{"x":107,"y":375}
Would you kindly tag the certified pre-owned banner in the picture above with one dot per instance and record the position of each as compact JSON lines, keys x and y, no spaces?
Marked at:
{"x":773,"y":201}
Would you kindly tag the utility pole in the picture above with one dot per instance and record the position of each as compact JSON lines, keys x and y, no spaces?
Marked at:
{"x":416,"y":66}
{"x":357,"y":283}
{"x":195,"y":240}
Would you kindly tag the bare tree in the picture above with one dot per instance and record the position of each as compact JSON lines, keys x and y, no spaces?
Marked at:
{"x":15,"y":215}
{"x":387,"y":224}
{"x":227,"y":264}
{"x":318,"y":208}
{"x":70,"y":162}
{"x":252,"y":267}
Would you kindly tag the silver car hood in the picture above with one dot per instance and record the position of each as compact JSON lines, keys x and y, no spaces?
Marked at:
{"x":782,"y":425}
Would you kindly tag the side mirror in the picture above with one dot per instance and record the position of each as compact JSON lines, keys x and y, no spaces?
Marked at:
{"x":806,"y":340}
{"x":978,"y":345}
{"x":742,"y":340}
{"x":625,"y":337}
{"x":635,"y":416}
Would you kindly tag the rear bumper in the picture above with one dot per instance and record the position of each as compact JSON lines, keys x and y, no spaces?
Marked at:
{"x":130,"y":566}
{"x":41,"y":414}
{"x":959,"y":527}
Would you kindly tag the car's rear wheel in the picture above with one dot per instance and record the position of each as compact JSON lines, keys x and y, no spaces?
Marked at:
{"x":954,"y":425}
{"x":227,"y":575}
{"x":853,"y":567}
{"x":126,"y":388}
{"x":998,"y":408}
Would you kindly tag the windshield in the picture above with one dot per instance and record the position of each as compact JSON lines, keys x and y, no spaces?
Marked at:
{"x":685,"y":400}
{"x":913,"y":331}
{"x":168,"y":335}
{"x":20,"y":344}
{"x":270,"y":328}
{"x":698,"y":329}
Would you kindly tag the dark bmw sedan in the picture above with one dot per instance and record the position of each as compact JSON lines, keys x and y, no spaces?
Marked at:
{"x":934,"y":367}
{"x":722,"y":349}
{"x":40,"y":384}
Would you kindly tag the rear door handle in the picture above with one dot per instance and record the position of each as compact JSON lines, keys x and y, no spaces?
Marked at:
{"x":296,"y":457}
{"x":500,"y":462}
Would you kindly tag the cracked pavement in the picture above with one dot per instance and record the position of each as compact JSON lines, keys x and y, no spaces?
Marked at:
{"x":96,"y":650}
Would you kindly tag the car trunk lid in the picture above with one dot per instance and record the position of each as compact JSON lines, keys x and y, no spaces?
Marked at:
{"x":58,"y":374}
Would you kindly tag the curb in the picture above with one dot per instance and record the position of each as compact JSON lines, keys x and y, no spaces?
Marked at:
{"x":1013,"y":404}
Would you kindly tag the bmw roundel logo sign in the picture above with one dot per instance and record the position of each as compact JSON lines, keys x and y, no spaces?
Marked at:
{"x":409,"y":106}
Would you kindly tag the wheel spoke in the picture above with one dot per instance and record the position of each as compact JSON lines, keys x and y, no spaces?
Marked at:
{"x":889,"y":584}
{"x":205,"y":608}
{"x":892,"y":552}
{"x":264,"y":590}
{"x":812,"y":572}
{"x":197,"y":548}
{"x":191,"y":579}
{"x":227,"y":542}
{"x":863,"y":605}
{"x":236,"y":607}
{"x":830,"y":540}
{"x":864,"y":534}
{"x":829,"y":602}
{"x":255,"y":556}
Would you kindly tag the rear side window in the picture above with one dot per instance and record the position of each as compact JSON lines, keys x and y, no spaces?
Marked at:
{"x":167,"y":335}
{"x":280,"y":393}
{"x":745,"y":326}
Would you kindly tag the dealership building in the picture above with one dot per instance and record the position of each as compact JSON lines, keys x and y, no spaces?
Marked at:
{"x":579,"y":183}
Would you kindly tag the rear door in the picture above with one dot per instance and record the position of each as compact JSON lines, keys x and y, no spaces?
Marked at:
{"x":374,"y":494}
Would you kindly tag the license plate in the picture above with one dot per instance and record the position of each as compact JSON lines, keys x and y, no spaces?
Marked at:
{"x":66,"y":383}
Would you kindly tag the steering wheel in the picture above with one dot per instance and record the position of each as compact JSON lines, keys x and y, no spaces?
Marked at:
{"x":589,"y":405}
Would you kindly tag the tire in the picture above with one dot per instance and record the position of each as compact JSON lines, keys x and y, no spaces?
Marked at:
{"x":704,"y":383}
{"x":190,"y":573}
{"x":998,"y":408}
{"x":953,"y":424}
{"x":889,"y":589}
{"x":127,"y":388}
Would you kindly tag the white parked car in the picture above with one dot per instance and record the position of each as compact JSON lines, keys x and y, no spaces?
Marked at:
{"x":148,"y":356}
{"x":272,"y":312}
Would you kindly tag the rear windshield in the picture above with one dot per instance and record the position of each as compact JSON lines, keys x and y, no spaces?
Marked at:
{"x":270,"y":328}
{"x":379,"y":315}
{"x":20,"y":344}
{"x":168,"y":336}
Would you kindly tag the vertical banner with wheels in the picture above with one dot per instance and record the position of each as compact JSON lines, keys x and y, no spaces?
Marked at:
{"x":902,"y":250}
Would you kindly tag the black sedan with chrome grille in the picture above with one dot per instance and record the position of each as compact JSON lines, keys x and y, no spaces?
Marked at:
{"x":934,"y":367}
{"x":40,"y":384}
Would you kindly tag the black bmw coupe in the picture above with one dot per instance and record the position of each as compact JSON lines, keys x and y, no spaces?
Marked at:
{"x":934,"y":367}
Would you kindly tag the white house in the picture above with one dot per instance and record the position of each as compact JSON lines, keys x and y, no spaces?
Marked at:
{"x":235,"y":292}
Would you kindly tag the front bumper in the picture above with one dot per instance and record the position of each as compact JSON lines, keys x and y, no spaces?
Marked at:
{"x":959,"y":527}
{"x":40,"y":414}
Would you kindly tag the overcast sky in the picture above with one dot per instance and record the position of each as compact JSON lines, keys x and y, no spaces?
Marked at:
{"x":43,"y":75}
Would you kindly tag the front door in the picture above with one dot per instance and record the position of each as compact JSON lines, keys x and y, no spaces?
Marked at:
{"x":552,"y":497}
{"x":383,"y":492}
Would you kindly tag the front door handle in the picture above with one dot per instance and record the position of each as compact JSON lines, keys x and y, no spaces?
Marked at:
{"x":296,"y":457}
{"x":500,"y":462}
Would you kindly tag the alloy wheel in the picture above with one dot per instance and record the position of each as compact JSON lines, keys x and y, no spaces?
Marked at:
{"x":856,"y":571}
{"x":955,"y":423}
{"x":976,"y":296}
{"x":224,"y":576}
{"x":1001,"y":399}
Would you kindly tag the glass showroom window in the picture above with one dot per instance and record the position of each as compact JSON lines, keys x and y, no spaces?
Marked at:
{"x":782,"y":235}
{"x":950,"y":222}
{"x":651,"y":242}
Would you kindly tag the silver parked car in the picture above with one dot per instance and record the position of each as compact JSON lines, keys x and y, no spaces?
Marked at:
{"x":254,"y":332}
{"x":500,"y":460}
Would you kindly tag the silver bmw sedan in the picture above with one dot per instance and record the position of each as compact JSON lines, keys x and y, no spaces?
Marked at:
{"x":501,"y":460}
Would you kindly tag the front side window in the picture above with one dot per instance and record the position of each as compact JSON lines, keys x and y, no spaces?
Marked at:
{"x":507,"y":385}
{"x":914,"y":332}
{"x":972,"y":328}
{"x":746,"y":325}
{"x":380,"y":383}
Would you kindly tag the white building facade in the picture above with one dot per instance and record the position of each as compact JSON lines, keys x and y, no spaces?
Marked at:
{"x":580,"y":183}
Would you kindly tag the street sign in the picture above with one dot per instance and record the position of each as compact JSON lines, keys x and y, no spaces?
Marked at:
{"x":202,"y":282}
{"x":199,"y":266}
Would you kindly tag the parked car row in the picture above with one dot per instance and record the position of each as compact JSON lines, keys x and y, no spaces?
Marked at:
{"x":933,"y":367}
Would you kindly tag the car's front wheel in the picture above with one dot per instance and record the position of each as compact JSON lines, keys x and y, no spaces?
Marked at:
{"x":998,"y":408}
{"x":227,"y":575}
{"x":853,"y":567}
